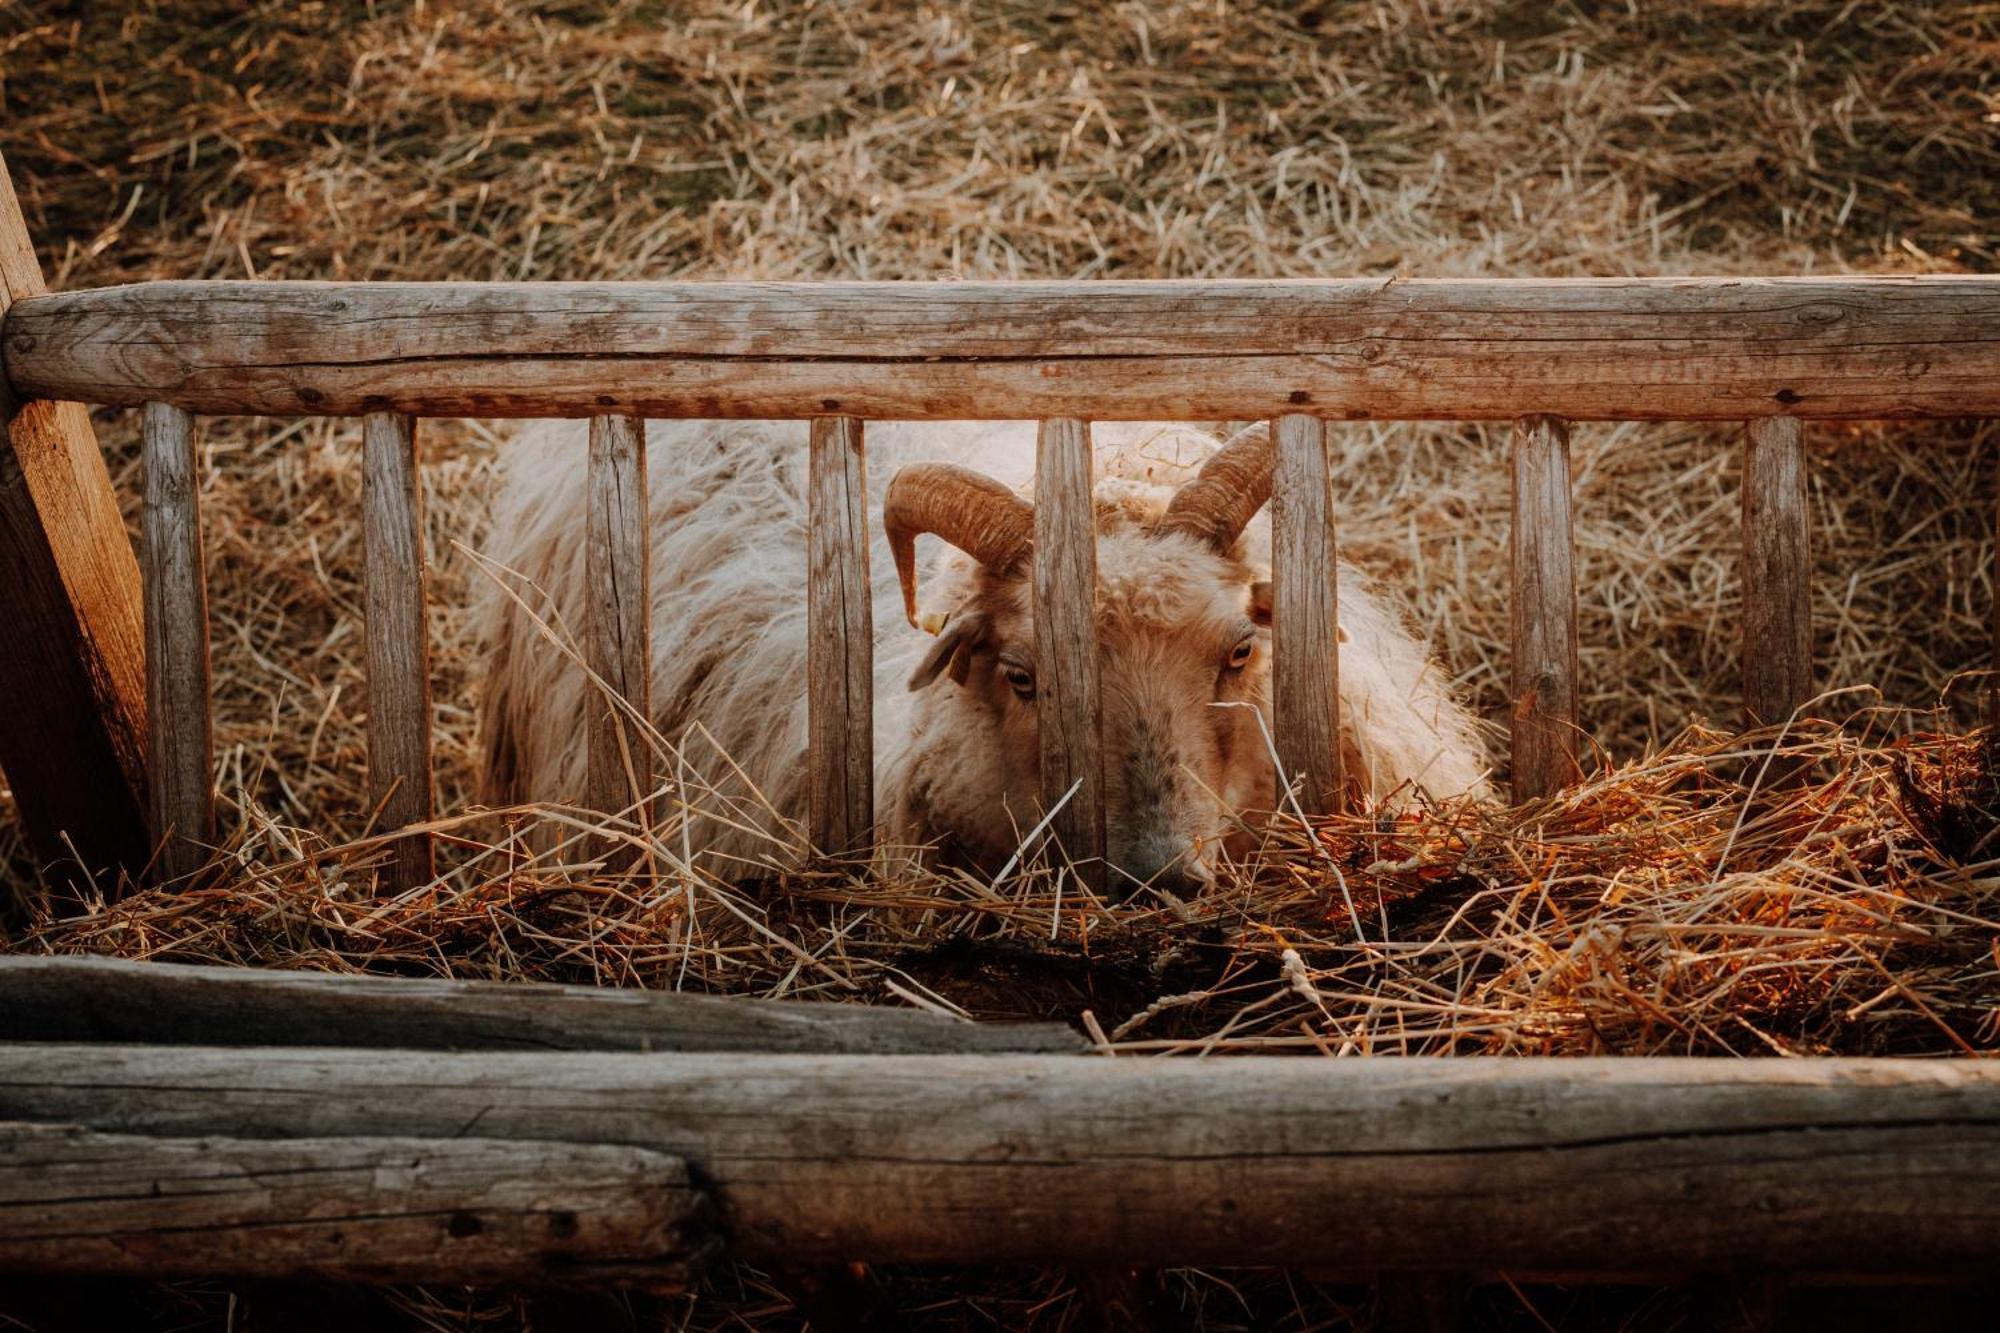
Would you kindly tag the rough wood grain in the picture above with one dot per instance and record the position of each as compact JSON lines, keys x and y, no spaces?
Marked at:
{"x":72,"y":660}
{"x":180,"y":733}
{"x":1065,"y":603}
{"x":1544,"y":712}
{"x":1619,"y":1164}
{"x":1305,"y":619}
{"x":346,"y":1209}
{"x":1777,"y":573}
{"x":108,"y":999}
{"x":617,"y":627}
{"x":399,"y":645}
{"x":840,"y":642}
{"x":1586,"y":348}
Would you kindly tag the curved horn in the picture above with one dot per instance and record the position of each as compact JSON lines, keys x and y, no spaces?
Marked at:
{"x":1226,"y":494}
{"x":974,"y":513}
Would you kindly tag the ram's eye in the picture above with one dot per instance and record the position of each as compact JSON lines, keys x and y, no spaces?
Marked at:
{"x":1022,"y":679}
{"x":1239,"y":656}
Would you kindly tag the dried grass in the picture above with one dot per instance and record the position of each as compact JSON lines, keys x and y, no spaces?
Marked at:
{"x":1662,"y":907}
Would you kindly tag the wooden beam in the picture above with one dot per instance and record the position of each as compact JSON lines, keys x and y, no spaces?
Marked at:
{"x":618,"y":636}
{"x":178,"y":696}
{"x":1305,"y":614}
{"x":399,"y":645}
{"x":346,"y":1209}
{"x":840,"y":642}
{"x":1613,"y":1164}
{"x":1066,"y":683}
{"x":73,"y":657}
{"x":1544,"y":612}
{"x":1777,"y":573}
{"x":109,"y":999}
{"x":1584,"y":348}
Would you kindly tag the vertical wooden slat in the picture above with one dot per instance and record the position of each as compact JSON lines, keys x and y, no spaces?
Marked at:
{"x":840,"y":635}
{"x":180,"y":734}
{"x":1777,"y":564}
{"x":617,"y":623}
{"x":1066,"y":685}
{"x":1544,"y":611}
{"x":1305,"y":614}
{"x":399,"y":655}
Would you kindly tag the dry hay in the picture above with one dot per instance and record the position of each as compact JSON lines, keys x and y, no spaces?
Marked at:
{"x":1661,"y":907}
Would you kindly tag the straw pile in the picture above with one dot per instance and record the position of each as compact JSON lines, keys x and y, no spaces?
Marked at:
{"x":1677,"y":902}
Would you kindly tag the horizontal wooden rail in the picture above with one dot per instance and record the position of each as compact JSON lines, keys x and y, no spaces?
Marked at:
{"x":1868,"y":1166}
{"x":108,"y":999}
{"x":1585,"y":348}
{"x":346,"y":1209}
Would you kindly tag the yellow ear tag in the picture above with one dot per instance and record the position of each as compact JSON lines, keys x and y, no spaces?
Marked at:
{"x":933,"y":622}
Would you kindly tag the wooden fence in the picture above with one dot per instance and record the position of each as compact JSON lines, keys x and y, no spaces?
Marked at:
{"x":1768,"y":352}
{"x":175,"y":1120}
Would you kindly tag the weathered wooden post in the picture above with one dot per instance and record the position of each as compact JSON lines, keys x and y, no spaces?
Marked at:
{"x":72,"y":660}
{"x":1544,"y":611}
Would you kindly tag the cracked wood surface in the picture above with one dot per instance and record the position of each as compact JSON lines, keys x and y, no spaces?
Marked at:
{"x":1618,"y":1164}
{"x":1777,"y":573}
{"x":618,"y":621}
{"x":1542,"y":550}
{"x":110,"y":999}
{"x":1305,"y":615}
{"x":840,"y":642}
{"x":180,"y":742}
{"x":346,"y":1209}
{"x":1585,"y":348}
{"x":1067,"y":684}
{"x":396,"y":625}
{"x":72,"y":661}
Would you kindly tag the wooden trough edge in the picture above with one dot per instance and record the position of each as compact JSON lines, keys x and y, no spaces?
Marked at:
{"x":539,"y":1213}
{"x":1442,"y":349}
{"x":1864,"y":1166}
{"x":77,"y":999}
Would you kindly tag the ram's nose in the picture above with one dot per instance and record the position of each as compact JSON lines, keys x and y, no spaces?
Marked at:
{"x":1168,"y":866}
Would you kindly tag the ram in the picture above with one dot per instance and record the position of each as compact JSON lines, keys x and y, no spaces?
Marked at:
{"x":1183,"y":609}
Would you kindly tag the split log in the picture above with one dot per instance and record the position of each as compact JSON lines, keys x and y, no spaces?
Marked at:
{"x":1866,"y":1166}
{"x":73,"y":655}
{"x":108,"y":999}
{"x":1460,"y":349}
{"x":346,"y":1209}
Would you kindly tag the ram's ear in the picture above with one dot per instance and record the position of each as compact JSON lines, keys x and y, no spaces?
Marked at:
{"x":1260,"y":602}
{"x":952,"y":653}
